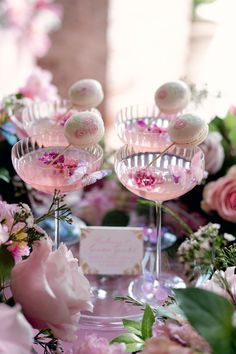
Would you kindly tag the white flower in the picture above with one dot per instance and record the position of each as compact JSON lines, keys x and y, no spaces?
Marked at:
{"x":229,"y":237}
{"x":4,"y":234}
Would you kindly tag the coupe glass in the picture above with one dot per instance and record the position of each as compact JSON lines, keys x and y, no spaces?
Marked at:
{"x":73,"y":170}
{"x":38,"y":118}
{"x":143,"y":126}
{"x":171,"y":175}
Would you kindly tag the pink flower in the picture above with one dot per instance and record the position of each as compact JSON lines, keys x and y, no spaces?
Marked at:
{"x":98,"y":345}
{"x":218,"y":282}
{"x":95,"y":205}
{"x":51,"y":289}
{"x":18,"y":250}
{"x":163,"y":345}
{"x":39,"y":86}
{"x":183,"y":334}
{"x":16,"y":334}
{"x":214,"y":152}
{"x":220,"y":196}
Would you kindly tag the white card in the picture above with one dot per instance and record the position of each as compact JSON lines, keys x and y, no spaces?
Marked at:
{"x":111,"y":250}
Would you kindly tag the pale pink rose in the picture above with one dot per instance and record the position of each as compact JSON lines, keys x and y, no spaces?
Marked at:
{"x":216,"y":285}
{"x":99,"y":345}
{"x":220,"y":196}
{"x":183,"y":334}
{"x":16,"y":334}
{"x":163,"y":345}
{"x":51,"y":288}
{"x":214,"y":152}
{"x":39,"y":86}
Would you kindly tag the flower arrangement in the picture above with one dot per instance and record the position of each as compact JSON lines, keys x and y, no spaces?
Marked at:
{"x":31,"y":273}
{"x":207,"y":249}
{"x":192,"y":320}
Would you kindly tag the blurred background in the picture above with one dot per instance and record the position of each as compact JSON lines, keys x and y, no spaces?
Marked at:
{"x":130,"y":46}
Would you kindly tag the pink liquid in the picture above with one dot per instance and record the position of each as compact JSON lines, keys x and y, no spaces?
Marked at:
{"x":168,"y":185}
{"x":148,"y":132}
{"x":65,"y":178}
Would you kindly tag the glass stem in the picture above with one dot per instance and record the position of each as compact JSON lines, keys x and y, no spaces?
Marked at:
{"x":158,"y":245}
{"x":56,"y":225}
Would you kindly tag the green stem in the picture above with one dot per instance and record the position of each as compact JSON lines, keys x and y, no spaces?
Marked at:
{"x":185,"y":226}
{"x":175,"y":216}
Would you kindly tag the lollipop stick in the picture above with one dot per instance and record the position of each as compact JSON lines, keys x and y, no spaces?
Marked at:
{"x":162,"y":153}
{"x":57,"y":157}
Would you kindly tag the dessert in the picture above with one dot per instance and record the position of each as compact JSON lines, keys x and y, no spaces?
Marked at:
{"x":84,"y":129}
{"x":86,"y":93}
{"x":172,"y":97}
{"x":188,"y":130}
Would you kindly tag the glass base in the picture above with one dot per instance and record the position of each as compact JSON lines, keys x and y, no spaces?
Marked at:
{"x":149,"y":290}
{"x":108,"y":313}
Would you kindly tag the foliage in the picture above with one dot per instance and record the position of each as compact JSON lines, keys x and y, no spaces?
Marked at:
{"x":211,"y":315}
{"x":18,"y":231}
{"x":205,"y":248}
{"x":138,"y":331}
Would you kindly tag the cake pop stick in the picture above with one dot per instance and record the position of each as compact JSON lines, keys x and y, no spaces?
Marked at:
{"x":82,"y":130}
{"x":185,"y":131}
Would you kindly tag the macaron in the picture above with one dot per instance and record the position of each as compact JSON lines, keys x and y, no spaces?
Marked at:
{"x":172,"y":97}
{"x":188,"y":130}
{"x":84,"y":129}
{"x":86,"y":93}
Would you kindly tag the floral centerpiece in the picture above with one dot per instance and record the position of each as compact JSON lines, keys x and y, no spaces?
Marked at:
{"x":39,"y":288}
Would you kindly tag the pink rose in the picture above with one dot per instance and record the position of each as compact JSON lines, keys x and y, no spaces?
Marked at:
{"x":183,"y":334}
{"x":99,"y":345}
{"x":163,"y":345}
{"x":51,"y":288}
{"x":220,"y":195}
{"x":214,"y":152}
{"x":16,"y":334}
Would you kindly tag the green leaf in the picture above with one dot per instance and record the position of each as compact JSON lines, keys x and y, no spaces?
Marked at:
{"x":230,"y":121}
{"x":134,"y":347}
{"x":115,"y":218}
{"x":169,"y":311}
{"x":232,"y":137}
{"x":133,"y":326}
{"x":133,"y":342}
{"x":4,"y":175}
{"x":211,"y":315}
{"x":6,"y":264}
{"x":127,"y":338}
{"x":217,"y":124}
{"x":147,"y":322}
